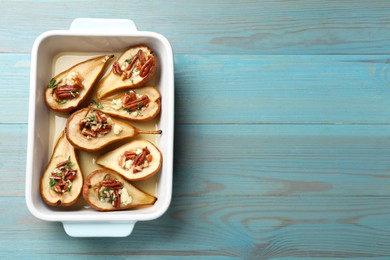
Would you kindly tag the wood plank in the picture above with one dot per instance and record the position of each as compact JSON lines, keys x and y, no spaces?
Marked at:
{"x":269,"y":89}
{"x":254,"y":160}
{"x":217,"y":226}
{"x":265,"y":89}
{"x":14,"y":87}
{"x":231,"y":27}
{"x":13,"y":162}
{"x":282,"y":160}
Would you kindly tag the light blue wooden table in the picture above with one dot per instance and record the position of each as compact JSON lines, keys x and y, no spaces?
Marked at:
{"x":282,"y":146}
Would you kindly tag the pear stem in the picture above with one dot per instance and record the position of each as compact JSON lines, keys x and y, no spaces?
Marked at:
{"x":154,"y":132}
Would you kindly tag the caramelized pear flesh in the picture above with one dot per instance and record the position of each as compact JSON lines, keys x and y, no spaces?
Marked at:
{"x":105,"y":190}
{"x":90,"y":129}
{"x":137,"y":160}
{"x":141,"y":104}
{"x":62,"y":181}
{"x":67,"y":90}
{"x":135,"y":67}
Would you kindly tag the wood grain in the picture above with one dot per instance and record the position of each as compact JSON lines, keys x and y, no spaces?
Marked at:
{"x":250,"y":227}
{"x":14,"y":88}
{"x":231,"y":27}
{"x":326,"y":89}
{"x":13,"y":162}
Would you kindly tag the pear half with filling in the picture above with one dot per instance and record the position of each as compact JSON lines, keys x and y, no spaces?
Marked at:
{"x":105,"y":190}
{"x":90,"y":129}
{"x":67,"y":90}
{"x":62,"y":181}
{"x":135,"y":67}
{"x":137,"y":160}
{"x":141,"y":104}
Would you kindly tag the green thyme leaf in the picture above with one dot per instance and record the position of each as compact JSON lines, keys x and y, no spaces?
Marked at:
{"x":62,"y":102}
{"x":91,"y":118}
{"x":52,"y":182}
{"x":102,"y":195}
{"x":69,"y":164}
{"x":129,"y":60}
{"x":52,"y":84}
{"x":129,"y":110}
{"x":98,"y":105}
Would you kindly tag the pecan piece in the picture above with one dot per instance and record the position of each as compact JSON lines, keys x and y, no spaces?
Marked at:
{"x":117,"y":200}
{"x":129,"y":69}
{"x":70,"y":175}
{"x":55,"y":176}
{"x":144,"y":71}
{"x":129,"y":155}
{"x":131,"y":96}
{"x":140,"y":159}
{"x":141,"y":57}
{"x":121,"y":161}
{"x":87,"y":132}
{"x":67,"y":91}
{"x":137,"y":103}
{"x":58,"y":188}
{"x":111,"y":183}
{"x":130,"y":66}
{"x":60,"y":164}
{"x":63,"y":96}
{"x":116,"y":69}
{"x":82,"y":123}
{"x":127,"y":74}
{"x":98,"y":116}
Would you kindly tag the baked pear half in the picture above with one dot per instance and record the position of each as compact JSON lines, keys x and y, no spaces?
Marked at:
{"x":137,"y":160}
{"x":90,"y":129}
{"x":62,"y":181}
{"x":105,"y":190}
{"x":141,"y":104}
{"x":67,"y":90}
{"x":135,"y":67}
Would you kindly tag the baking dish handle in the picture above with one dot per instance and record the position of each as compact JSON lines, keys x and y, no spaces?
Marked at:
{"x":102,"y":25}
{"x":98,"y":229}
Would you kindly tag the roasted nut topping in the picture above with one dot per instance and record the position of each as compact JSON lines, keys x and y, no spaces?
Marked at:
{"x":132,"y":103}
{"x":94,"y":123}
{"x":70,"y":89}
{"x":108,"y":191}
{"x":61,"y":177}
{"x":144,"y":71}
{"x":135,"y":160}
{"x":116,"y":69}
{"x":143,"y":65}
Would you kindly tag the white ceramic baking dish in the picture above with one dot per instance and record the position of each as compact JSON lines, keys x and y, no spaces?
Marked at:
{"x":96,"y":36}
